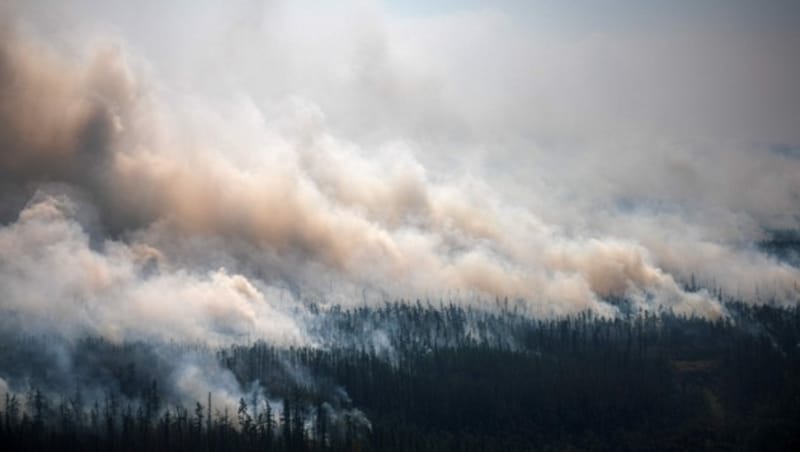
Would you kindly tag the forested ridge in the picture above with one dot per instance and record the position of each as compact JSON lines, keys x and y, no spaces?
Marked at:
{"x":418,"y":376}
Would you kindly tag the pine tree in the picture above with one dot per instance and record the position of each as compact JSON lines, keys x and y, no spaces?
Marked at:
{"x":270,"y":425}
{"x":245,"y":421}
{"x":322,"y":426}
{"x":286,"y":423}
{"x":198,"y":418}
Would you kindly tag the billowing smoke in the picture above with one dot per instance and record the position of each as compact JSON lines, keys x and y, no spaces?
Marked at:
{"x":55,"y":280}
{"x":204,"y":189}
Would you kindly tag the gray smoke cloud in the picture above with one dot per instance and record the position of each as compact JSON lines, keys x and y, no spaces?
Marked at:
{"x":198,"y":179}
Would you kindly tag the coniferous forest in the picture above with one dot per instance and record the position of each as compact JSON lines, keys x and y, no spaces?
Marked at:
{"x":423,"y":377}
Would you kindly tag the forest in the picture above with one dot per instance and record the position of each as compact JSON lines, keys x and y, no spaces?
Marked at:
{"x":425,"y":377}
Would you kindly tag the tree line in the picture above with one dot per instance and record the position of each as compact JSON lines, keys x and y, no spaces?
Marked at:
{"x":414,"y":376}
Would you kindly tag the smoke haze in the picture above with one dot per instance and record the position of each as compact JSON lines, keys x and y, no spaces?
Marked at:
{"x":198,"y":172}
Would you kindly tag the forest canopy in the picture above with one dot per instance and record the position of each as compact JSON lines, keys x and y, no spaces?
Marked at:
{"x":424,"y":377}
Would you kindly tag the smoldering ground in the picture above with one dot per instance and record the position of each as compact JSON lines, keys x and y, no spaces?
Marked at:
{"x":201,"y":188}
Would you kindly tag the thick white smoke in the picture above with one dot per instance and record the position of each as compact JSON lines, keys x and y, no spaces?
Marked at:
{"x":198,"y":189}
{"x":55,"y":281}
